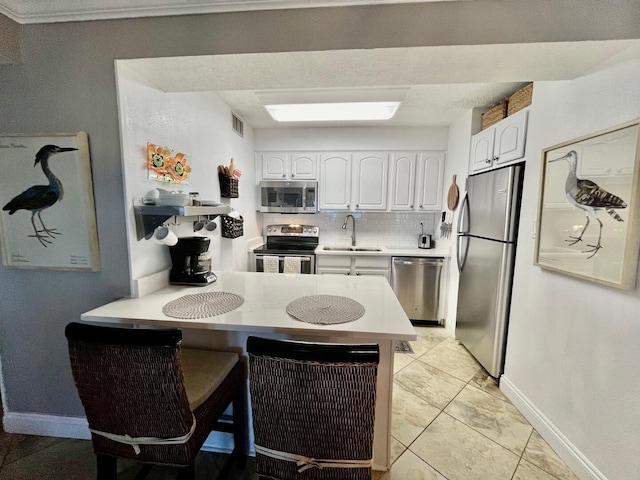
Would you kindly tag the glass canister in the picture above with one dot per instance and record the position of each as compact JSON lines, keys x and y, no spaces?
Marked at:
{"x":195,"y":198}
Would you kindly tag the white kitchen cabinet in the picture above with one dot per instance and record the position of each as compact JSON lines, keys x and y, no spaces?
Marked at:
{"x":370,"y":180}
{"x":430,"y":176}
{"x":335,"y":181}
{"x":333,"y":264}
{"x":371,"y":265}
{"x":499,"y":144}
{"x":353,"y":265}
{"x":288,"y":165}
{"x":402,"y":179}
{"x":416,"y":181}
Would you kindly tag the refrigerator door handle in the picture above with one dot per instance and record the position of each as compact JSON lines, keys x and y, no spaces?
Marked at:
{"x":464,"y":215}
{"x":461,"y":257}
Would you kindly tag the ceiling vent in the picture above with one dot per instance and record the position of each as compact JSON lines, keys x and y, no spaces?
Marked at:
{"x":237,"y":125}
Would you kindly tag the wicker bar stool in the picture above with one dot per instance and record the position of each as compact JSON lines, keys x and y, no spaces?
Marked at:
{"x":150,"y":400}
{"x":313,"y":409}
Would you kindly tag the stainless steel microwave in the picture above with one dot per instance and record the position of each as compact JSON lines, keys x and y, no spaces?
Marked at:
{"x":283,"y":196}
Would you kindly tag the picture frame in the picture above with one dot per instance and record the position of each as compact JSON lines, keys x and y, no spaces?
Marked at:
{"x":47,"y":210}
{"x":589,"y":201}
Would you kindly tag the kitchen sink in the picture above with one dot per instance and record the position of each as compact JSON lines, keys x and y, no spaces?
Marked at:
{"x":352,"y":249}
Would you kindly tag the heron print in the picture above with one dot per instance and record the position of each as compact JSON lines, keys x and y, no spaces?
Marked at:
{"x":587,"y":196}
{"x":37,"y":198}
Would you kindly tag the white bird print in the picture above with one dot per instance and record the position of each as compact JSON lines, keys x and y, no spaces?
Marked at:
{"x":589,"y":197}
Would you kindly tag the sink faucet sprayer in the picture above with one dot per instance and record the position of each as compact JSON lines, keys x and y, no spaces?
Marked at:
{"x":353,"y":231}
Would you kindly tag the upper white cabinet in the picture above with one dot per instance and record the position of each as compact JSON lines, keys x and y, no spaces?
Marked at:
{"x":402,"y":180}
{"x":416,"y":181}
{"x":373,"y":180}
{"x":499,"y":144}
{"x":335,"y":181}
{"x":370,"y":180}
{"x":430,"y":175}
{"x":288,"y":165}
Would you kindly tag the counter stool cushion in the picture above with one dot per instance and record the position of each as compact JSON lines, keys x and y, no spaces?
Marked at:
{"x":203,"y":372}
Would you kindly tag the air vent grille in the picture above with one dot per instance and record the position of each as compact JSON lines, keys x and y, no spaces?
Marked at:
{"x":237,"y":125}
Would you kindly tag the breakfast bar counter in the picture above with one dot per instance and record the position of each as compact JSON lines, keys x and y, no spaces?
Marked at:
{"x":263,"y":312}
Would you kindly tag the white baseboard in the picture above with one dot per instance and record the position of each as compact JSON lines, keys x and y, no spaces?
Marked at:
{"x":46,"y":425}
{"x":568,"y":452}
{"x":77,"y":427}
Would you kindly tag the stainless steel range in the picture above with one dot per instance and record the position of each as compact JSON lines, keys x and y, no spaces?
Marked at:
{"x":295,"y":242}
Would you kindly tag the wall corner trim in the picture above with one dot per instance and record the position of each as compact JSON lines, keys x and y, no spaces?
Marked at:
{"x":568,"y":452}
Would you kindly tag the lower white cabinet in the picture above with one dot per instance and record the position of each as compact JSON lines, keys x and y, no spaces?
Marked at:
{"x":353,"y":265}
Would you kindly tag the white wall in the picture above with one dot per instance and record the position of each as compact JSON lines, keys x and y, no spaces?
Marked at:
{"x":573,"y":352}
{"x":364,"y":138}
{"x":457,"y":164}
{"x":198,"y":124}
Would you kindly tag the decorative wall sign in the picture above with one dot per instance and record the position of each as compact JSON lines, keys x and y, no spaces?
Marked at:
{"x":588,"y":223}
{"x":46,"y":195}
{"x":166,"y":166}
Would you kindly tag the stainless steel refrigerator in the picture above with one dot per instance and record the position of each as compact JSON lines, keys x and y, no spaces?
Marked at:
{"x":487,"y":234}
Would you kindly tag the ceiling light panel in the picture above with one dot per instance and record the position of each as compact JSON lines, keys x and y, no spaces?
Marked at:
{"x":324,"y":112}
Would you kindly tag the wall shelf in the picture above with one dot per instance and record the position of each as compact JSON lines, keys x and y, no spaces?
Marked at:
{"x":149,"y":217}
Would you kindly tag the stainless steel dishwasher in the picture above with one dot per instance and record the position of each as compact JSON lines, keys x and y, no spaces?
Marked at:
{"x":416,"y":283}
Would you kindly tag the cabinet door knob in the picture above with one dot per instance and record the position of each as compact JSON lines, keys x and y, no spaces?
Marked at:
{"x":495,"y":159}
{"x":420,"y":206}
{"x":487,"y":161}
{"x":357,"y":273}
{"x":358,"y":205}
{"x":284,"y":176}
{"x":411,"y":206}
{"x":293,"y":175}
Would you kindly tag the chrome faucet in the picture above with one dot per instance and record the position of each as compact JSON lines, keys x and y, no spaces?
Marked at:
{"x":353,"y":231}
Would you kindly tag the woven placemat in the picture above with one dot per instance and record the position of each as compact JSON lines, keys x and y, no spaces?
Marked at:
{"x":202,"y":305}
{"x":325,"y":309}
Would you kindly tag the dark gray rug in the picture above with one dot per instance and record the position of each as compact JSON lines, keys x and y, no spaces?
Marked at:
{"x":402,"y":346}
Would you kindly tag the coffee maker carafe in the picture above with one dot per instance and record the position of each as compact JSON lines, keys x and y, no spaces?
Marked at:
{"x":191,"y":262}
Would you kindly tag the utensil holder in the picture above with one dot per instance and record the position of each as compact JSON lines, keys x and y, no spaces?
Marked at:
{"x":228,"y":186}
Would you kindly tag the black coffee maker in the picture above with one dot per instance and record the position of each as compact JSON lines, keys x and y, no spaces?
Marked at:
{"x":191,"y":262}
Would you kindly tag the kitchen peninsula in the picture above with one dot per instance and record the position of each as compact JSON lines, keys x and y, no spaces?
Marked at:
{"x":263,"y":312}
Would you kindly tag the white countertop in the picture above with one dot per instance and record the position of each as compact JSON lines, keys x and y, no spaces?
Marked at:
{"x":266,"y":296}
{"x":441,"y":250}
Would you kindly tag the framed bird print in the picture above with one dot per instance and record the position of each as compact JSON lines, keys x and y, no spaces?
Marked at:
{"x":588,"y":224}
{"x":47,"y":216}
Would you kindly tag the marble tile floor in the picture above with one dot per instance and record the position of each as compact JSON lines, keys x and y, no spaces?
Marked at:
{"x":450,"y":422}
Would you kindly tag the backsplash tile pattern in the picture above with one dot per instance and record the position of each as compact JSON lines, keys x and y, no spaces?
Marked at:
{"x":394,"y":230}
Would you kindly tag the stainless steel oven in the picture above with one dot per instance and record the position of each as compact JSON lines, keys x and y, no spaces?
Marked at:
{"x":285,"y":247}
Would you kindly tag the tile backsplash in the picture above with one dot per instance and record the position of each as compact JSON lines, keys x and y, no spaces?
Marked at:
{"x":394,"y":230}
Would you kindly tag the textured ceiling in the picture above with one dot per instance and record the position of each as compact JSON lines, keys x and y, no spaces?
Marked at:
{"x":43,"y":11}
{"x":443,"y":82}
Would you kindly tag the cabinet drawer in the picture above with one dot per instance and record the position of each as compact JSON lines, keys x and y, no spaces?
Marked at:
{"x":333,"y":261}
{"x":371,"y":262}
